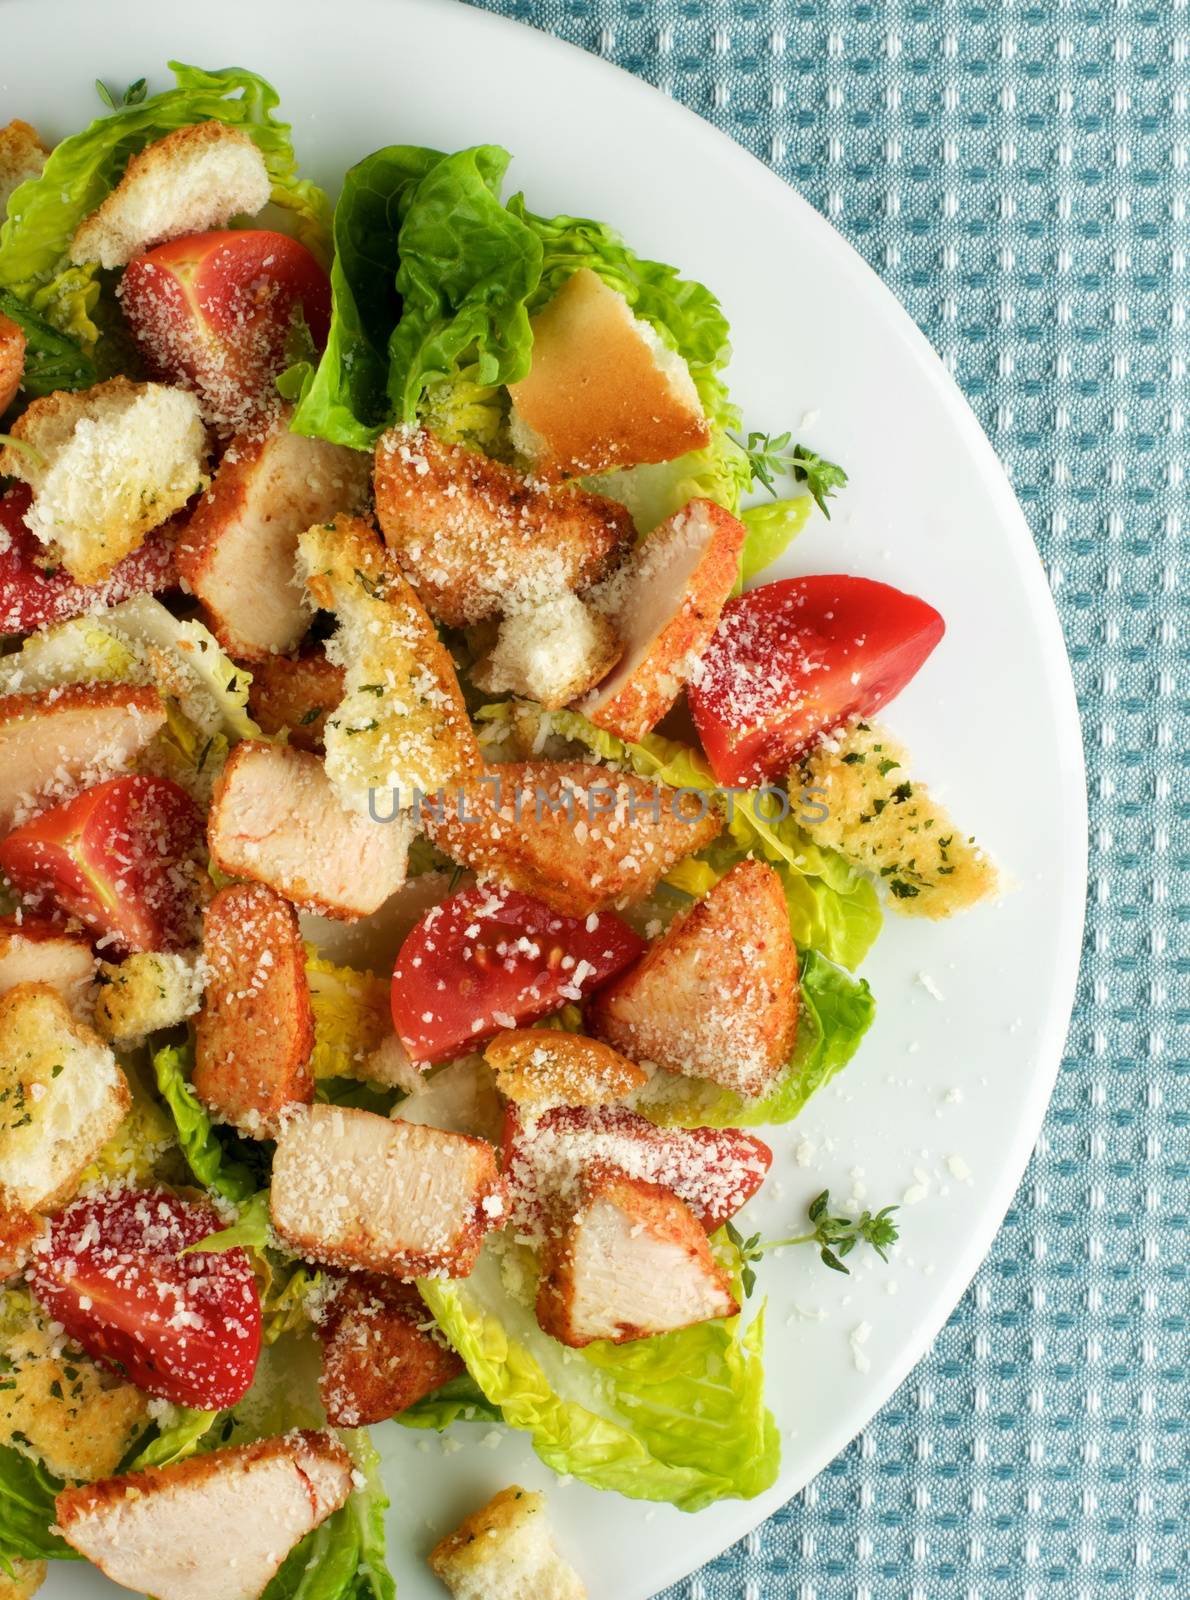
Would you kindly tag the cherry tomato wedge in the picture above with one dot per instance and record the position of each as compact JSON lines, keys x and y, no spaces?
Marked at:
{"x":488,"y":959}
{"x":112,"y":857}
{"x":217,"y":310}
{"x":33,"y":594}
{"x":184,"y":1327}
{"x":791,"y":660}
{"x":714,"y":1170}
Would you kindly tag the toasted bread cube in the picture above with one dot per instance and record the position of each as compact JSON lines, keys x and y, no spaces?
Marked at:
{"x":505,"y":1551}
{"x":578,"y":836}
{"x":194,"y":179}
{"x":41,"y":952}
{"x":276,"y":819}
{"x":12,"y":361}
{"x":543,"y":1067}
{"x":552,"y":654}
{"x":888,"y":824}
{"x":477,"y":538}
{"x":109,"y":464}
{"x":717,"y":995}
{"x":604,"y":391}
{"x":401,"y":725}
{"x":73,"y":1414}
{"x":24,"y":1579}
{"x":255,"y":1032}
{"x":633,"y":1262}
{"x":58,"y":740}
{"x":152,"y":1531}
{"x":22,"y":156}
{"x":62,"y":1097}
{"x":19,"y":1231}
{"x":146,"y":991}
{"x":352,"y":1189}
{"x":665,"y":604}
{"x":296,"y":694}
{"x":378,"y":1355}
{"x":239,"y":550}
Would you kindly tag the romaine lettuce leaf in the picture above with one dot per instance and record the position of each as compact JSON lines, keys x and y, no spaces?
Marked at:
{"x":679,"y":1418}
{"x":187,"y":1432}
{"x":27,"y":1511}
{"x":218,"y":1158}
{"x":772,"y":526}
{"x":460,"y":1400}
{"x":52,"y":360}
{"x":44,"y":212}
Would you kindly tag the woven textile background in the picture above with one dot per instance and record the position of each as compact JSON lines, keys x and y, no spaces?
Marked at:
{"x":1017,"y":173}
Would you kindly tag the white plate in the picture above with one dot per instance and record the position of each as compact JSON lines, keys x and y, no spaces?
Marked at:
{"x":976,"y":1009}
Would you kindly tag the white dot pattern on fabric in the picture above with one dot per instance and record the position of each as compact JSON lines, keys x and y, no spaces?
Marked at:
{"x":1016,"y":172}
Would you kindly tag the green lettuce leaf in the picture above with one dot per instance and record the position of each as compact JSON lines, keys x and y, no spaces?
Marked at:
{"x":344,"y":1559}
{"x":344,"y":399}
{"x":218,"y":1158}
{"x":188,"y":1432}
{"x":460,"y":1400}
{"x":52,"y":359}
{"x":81,"y":171}
{"x":679,"y":1418}
{"x":772,"y":527}
{"x":250,"y":1230}
{"x":27,"y":1511}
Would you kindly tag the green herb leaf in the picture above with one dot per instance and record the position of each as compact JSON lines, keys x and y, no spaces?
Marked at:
{"x":770,"y":457}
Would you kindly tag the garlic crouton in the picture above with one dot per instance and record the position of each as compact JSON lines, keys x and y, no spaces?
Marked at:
{"x":146,"y":991}
{"x":22,"y":156}
{"x":239,"y":548}
{"x":881,"y":820}
{"x":106,"y":465}
{"x":23,"y":1580}
{"x":295,"y":694}
{"x":477,"y":538}
{"x":60,"y":739}
{"x":578,"y":836}
{"x":401,"y":724}
{"x":352,"y":1189}
{"x":152,"y":1531}
{"x":12,"y":361}
{"x":603,"y":391}
{"x":634,"y":1262}
{"x":19,"y":1231}
{"x":378,"y":1356}
{"x":255,"y":1032}
{"x":543,"y":1067}
{"x":41,"y":952}
{"x":194,"y":179}
{"x":74,"y":1415}
{"x":665,"y":604}
{"x":62,"y":1097}
{"x":552,"y":654}
{"x":505,"y":1551}
{"x":276,"y":819}
{"x":717,"y":995}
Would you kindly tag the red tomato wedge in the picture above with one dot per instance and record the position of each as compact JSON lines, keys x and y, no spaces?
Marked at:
{"x":32,"y":596}
{"x":489,"y":959}
{"x":791,"y":660}
{"x":112,"y":857}
{"x":714,"y":1170}
{"x":184,"y":1327}
{"x":216,"y":311}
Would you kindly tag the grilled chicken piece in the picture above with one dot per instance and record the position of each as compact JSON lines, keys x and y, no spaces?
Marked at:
{"x":352,"y":1189}
{"x":603,"y":391}
{"x":378,"y":1355}
{"x":255,"y":1031}
{"x":477,"y":538}
{"x":60,"y":740}
{"x":276,"y":819}
{"x":717,"y":995}
{"x":41,"y":952}
{"x":239,"y":550}
{"x":297,"y":693}
{"x":578,"y":836}
{"x":633,"y":1262}
{"x":664,"y":603}
{"x":152,"y":1531}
